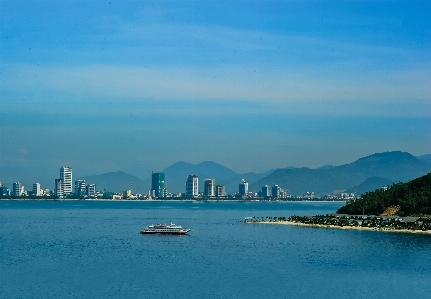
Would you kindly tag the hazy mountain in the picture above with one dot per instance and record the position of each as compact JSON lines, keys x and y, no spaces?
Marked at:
{"x":138,"y":171}
{"x":326,"y":167}
{"x":116,"y":182}
{"x":175,"y":178}
{"x":206,"y":167}
{"x":232,"y":184}
{"x":370,"y":184}
{"x":395,"y":166}
{"x":177,"y":173}
{"x":426,"y":158}
{"x":366,"y":174}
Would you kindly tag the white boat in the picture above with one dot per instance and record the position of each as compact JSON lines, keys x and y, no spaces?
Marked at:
{"x":165,"y":229}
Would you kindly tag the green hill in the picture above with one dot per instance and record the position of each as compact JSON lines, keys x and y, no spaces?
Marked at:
{"x":413,"y":198}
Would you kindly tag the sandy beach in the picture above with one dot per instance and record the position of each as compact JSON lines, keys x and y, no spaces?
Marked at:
{"x":348,"y":227}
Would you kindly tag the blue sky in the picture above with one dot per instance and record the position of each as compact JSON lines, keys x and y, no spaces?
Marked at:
{"x":253,"y":85}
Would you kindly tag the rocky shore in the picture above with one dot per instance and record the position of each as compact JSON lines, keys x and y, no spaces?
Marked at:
{"x":418,"y":225}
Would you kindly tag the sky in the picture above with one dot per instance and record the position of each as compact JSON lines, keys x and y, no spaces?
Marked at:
{"x":253,"y":85}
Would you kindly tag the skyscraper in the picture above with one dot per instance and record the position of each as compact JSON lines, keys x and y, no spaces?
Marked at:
{"x":59,"y":188}
{"x":243,"y":187}
{"x":17,"y":189}
{"x":158,"y":184}
{"x":66,"y":176}
{"x":276,"y":191}
{"x":209,"y":190}
{"x":192,"y":186}
{"x":266,"y":191}
{"x":36,"y":190}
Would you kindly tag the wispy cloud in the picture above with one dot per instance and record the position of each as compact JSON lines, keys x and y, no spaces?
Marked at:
{"x":214,"y":83}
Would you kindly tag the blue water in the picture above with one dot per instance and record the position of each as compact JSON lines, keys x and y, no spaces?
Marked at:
{"x":77,"y":249}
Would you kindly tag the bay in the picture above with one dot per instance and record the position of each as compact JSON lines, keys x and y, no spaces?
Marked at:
{"x":93,"y":249}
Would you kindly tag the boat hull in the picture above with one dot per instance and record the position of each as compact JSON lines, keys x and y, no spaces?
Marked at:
{"x":164,"y":229}
{"x":163,"y":233}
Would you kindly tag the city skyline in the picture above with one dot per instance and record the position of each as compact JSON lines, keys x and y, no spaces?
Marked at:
{"x":156,"y":191}
{"x":364,"y":174}
{"x":131,"y":86}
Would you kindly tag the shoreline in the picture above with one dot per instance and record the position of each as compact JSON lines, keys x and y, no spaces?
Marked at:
{"x":426,"y":232}
{"x":175,"y":200}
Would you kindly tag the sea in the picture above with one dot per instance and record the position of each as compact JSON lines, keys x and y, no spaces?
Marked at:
{"x":93,"y":249}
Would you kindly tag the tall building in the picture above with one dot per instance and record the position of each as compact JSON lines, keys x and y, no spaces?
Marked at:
{"x":209,"y":190}
{"x":192,"y":186}
{"x":59,"y":188}
{"x":17,"y":189}
{"x":158,"y":184}
{"x":66,"y":176}
{"x":276,"y":191}
{"x":243,"y":187}
{"x":220,"y":191}
{"x":266,"y":191}
{"x":4,"y":191}
{"x":80,"y":188}
{"x":91,"y":190}
{"x":36,"y":190}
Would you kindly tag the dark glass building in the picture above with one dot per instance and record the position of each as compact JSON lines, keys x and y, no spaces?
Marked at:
{"x":158,"y":184}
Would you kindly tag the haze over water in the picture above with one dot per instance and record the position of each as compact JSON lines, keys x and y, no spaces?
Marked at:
{"x":84,"y":249}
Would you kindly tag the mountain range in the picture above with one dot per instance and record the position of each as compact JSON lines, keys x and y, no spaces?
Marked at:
{"x":117,"y":182}
{"x":177,"y":173}
{"x":365,"y":174}
{"x":387,"y":167}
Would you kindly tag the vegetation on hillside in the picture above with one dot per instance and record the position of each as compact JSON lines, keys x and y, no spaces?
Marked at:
{"x":413,"y":198}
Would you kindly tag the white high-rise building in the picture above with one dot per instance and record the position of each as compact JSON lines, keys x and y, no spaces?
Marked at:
{"x":192,"y":186}
{"x":59,"y":188}
{"x":243,"y":187}
{"x":209,"y":190}
{"x":17,"y":189}
{"x":66,"y":176}
{"x":36,"y":190}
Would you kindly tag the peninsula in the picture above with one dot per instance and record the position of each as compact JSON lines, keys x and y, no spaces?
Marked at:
{"x":403,"y":207}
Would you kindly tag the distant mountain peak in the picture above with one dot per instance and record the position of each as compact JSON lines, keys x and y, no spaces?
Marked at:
{"x":393,"y":154}
{"x":387,"y":157}
{"x":327,"y":166}
{"x":426,"y":158}
{"x":207,"y":162}
{"x":380,"y":167}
